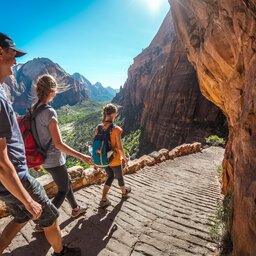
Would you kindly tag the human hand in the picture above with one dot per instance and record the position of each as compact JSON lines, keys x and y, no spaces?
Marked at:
{"x":95,"y":168}
{"x":34,"y":208}
{"x":124,"y":162}
{"x":85,"y":158}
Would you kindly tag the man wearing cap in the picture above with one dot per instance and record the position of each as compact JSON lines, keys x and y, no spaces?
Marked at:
{"x":23,"y":195}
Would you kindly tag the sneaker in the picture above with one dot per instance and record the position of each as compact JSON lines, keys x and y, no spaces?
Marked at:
{"x":69,"y":251}
{"x":128,"y":190}
{"x":81,"y":210}
{"x":104,"y":203}
{"x":38,"y":229}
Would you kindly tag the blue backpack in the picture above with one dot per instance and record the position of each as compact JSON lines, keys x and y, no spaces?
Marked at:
{"x":102,"y":153}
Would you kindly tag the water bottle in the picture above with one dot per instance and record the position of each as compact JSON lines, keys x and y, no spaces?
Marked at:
{"x":90,"y":150}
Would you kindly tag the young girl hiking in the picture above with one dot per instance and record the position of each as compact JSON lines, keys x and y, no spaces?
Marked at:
{"x":50,"y":138}
{"x":114,"y":170}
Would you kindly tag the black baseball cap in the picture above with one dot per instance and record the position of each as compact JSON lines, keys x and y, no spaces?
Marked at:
{"x":7,"y":43}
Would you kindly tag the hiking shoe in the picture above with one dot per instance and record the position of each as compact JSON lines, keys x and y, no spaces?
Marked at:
{"x":38,"y":229}
{"x":69,"y":251}
{"x":81,"y":210}
{"x":128,"y":190}
{"x":104,"y":203}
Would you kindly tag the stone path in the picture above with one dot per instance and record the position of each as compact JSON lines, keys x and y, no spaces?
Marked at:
{"x":168,"y":213}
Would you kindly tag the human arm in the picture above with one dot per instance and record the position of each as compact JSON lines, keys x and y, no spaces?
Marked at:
{"x":119,"y":147}
{"x":10,"y":179}
{"x":59,"y":144}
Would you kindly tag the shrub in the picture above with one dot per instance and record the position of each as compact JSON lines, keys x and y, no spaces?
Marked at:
{"x":131,"y":143}
{"x":219,"y":170}
{"x":221,"y":224}
{"x":214,"y":140}
{"x":37,"y":174}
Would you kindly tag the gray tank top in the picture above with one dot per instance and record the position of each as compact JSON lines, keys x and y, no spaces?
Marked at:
{"x":54,"y":156}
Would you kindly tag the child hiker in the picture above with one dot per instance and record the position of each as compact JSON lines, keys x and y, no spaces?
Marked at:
{"x":114,"y":169}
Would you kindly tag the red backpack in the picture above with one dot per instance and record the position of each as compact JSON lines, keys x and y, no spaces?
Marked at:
{"x":35,"y":153}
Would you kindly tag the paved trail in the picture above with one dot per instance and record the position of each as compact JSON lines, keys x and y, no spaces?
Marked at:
{"x":168,"y":213}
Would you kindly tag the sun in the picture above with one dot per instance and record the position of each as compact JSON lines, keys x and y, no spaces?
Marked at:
{"x":154,"y":6}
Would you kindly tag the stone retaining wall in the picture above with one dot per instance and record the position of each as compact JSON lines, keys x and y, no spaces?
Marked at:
{"x":85,"y":177}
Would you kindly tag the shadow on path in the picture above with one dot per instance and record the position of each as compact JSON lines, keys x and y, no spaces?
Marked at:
{"x":91,"y":235}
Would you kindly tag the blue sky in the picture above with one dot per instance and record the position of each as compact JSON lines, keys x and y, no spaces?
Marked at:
{"x":98,"y":39}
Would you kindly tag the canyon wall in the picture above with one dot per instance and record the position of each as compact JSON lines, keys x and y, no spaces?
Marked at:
{"x":162,"y":97}
{"x":220,"y":38}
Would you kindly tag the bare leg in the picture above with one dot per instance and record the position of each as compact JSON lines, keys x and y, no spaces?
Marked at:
{"x":53,"y":236}
{"x":123,"y":189}
{"x":9,"y":232}
{"x":105,"y":192}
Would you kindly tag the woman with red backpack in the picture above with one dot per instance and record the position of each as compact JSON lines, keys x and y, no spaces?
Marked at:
{"x":49,"y":133}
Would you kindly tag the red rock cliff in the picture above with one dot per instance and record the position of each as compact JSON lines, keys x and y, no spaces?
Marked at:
{"x":220,"y":37}
{"x":162,"y":96}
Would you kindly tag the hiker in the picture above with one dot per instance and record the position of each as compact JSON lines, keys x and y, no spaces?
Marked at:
{"x":47,"y":127}
{"x":114,"y":169}
{"x":24,"y":196}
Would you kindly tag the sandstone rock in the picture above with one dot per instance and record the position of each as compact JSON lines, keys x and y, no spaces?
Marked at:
{"x":76,"y":172}
{"x":156,"y":155}
{"x":164,"y":152}
{"x":162,"y":96}
{"x":94,"y":177}
{"x":185,"y":149}
{"x":148,"y":160}
{"x":133,"y":166}
{"x":220,"y":39}
{"x":85,"y":177}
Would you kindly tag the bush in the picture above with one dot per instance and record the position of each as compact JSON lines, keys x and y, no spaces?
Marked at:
{"x":214,"y":140}
{"x":221,"y":224}
{"x":37,"y":174}
{"x":131,"y":143}
{"x":219,"y":170}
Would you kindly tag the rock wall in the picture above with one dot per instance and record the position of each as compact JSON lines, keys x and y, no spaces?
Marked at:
{"x":162,"y":97}
{"x":220,"y":38}
{"x":85,"y":177}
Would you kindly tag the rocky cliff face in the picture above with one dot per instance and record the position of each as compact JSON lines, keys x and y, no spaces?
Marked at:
{"x":22,"y":89}
{"x":73,"y":90}
{"x":220,"y":37}
{"x":162,"y":96}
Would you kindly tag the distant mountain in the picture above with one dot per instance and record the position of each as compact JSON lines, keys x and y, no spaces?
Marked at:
{"x":97,"y":91}
{"x":74,"y":88}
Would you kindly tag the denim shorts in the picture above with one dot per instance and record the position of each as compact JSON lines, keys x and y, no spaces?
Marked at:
{"x":37,"y":192}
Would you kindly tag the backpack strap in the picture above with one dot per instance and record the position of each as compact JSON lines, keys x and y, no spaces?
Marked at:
{"x":38,"y":110}
{"x":34,"y":114}
{"x":100,"y":128}
{"x":108,"y":130}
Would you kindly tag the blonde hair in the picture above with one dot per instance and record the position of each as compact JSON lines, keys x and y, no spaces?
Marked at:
{"x":45,"y":85}
{"x":108,"y":110}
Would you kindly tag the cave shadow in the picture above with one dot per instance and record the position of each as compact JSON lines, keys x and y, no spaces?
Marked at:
{"x":91,"y":235}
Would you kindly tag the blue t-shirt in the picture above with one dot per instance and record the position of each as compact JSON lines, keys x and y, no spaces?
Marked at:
{"x":9,"y":129}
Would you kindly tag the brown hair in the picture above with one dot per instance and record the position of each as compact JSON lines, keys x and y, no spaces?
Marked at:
{"x":108,"y":110}
{"x":44,"y":86}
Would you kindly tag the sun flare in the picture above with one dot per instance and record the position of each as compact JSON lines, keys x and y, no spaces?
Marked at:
{"x":154,"y":5}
